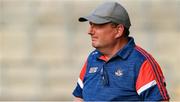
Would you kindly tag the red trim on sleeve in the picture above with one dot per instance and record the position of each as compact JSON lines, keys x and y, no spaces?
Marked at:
{"x":145,"y":75}
{"x":157,"y":72}
{"x":83,"y":71}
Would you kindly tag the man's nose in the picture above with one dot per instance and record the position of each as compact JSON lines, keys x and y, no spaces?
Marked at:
{"x":91,"y":30}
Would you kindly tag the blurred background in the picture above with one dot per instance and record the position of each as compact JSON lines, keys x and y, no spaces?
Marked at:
{"x":43,"y":46}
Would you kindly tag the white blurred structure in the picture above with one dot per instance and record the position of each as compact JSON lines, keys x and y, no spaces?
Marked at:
{"x":43,"y":46}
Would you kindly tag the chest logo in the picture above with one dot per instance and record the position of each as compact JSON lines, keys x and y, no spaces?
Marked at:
{"x":93,"y":70}
{"x":118,"y":73}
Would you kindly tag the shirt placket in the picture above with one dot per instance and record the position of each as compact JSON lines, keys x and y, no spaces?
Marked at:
{"x":104,"y":75}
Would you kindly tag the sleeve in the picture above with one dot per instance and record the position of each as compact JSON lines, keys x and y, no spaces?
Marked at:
{"x":78,"y":89}
{"x":150,"y":84}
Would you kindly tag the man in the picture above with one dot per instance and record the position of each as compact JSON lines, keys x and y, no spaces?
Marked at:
{"x":117,"y":70}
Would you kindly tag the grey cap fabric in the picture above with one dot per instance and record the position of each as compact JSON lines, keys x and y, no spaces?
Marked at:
{"x":108,"y":12}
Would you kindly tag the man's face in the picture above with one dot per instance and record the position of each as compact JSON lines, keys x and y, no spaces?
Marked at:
{"x":102,"y":35}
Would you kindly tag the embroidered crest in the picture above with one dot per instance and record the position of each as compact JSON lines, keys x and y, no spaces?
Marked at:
{"x":118,"y":73}
{"x":93,"y":70}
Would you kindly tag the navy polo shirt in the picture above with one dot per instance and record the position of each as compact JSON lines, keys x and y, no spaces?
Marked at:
{"x":131,"y":74}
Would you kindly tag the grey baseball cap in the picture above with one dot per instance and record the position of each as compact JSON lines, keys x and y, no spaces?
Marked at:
{"x":108,"y":12}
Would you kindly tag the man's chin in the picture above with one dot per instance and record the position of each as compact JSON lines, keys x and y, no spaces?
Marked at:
{"x":95,"y":46}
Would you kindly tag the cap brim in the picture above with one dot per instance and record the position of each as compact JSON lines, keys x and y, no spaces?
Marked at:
{"x":94,"y":19}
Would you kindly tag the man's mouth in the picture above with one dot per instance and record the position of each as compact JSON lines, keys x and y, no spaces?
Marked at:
{"x":93,"y":38}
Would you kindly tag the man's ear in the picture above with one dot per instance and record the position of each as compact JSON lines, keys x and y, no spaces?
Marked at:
{"x":120,"y":30}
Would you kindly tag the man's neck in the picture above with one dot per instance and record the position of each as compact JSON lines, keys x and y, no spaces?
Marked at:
{"x":112,"y":50}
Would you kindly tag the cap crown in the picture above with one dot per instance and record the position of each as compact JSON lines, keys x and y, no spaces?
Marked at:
{"x":113,"y":11}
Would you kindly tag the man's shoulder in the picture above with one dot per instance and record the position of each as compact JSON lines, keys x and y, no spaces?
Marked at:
{"x":141,"y":53}
{"x":94,"y":54}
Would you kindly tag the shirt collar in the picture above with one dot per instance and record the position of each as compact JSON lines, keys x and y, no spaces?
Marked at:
{"x":123,"y":53}
{"x":127,"y":49}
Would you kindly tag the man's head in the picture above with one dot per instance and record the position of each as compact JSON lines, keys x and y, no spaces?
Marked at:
{"x":105,"y":35}
{"x":108,"y":12}
{"x":108,"y":24}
